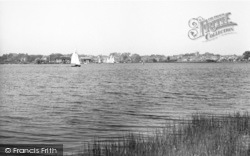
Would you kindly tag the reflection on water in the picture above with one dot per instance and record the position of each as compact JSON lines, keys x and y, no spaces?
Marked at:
{"x":61,"y":104}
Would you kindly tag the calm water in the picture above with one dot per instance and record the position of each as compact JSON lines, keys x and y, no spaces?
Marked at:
{"x":61,"y":104}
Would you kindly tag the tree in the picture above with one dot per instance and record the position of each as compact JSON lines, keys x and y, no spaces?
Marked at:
{"x":125,"y":57}
{"x":168,"y":59}
{"x":135,"y":58}
{"x":53,"y":57}
{"x":145,"y":58}
{"x":246,"y":55}
{"x":161,"y":58}
{"x":32,"y":58}
{"x":38,"y":61}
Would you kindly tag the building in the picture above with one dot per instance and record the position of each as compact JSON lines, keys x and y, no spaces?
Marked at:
{"x":63,"y":60}
{"x":45,"y":58}
{"x":86,"y":59}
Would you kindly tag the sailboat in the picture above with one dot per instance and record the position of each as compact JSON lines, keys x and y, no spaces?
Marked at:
{"x":111,"y":59}
{"x":75,"y":60}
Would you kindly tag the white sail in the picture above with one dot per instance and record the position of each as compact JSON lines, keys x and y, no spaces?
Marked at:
{"x":75,"y":59}
{"x":111,"y":59}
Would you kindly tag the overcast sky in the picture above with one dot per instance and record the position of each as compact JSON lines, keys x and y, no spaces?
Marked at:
{"x":97,"y":27}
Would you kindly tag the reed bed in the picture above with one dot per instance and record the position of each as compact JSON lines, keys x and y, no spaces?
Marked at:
{"x":203,"y":135}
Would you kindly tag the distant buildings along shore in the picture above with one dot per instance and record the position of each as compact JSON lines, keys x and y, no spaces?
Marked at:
{"x":14,"y":58}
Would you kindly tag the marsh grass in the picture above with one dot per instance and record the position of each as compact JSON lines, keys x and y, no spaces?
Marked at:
{"x":203,"y":135}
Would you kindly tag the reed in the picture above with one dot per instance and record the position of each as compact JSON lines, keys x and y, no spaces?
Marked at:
{"x":203,"y":135}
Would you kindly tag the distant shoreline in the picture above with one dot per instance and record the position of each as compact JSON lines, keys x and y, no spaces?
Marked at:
{"x":125,"y":57}
{"x":238,"y":62}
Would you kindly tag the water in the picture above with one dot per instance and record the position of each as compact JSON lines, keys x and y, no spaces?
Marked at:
{"x":61,"y":104}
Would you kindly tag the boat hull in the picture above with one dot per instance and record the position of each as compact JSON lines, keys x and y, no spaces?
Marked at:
{"x":76,"y":65}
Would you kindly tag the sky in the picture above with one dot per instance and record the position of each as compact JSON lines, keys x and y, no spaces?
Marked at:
{"x":102,"y":27}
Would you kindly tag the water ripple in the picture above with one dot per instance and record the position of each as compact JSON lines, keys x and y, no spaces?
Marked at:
{"x":59,"y":104}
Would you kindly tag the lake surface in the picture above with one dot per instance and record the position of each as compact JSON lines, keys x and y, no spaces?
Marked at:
{"x":61,"y":104}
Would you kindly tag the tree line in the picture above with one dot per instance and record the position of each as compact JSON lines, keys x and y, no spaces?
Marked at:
{"x":125,"y":57}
